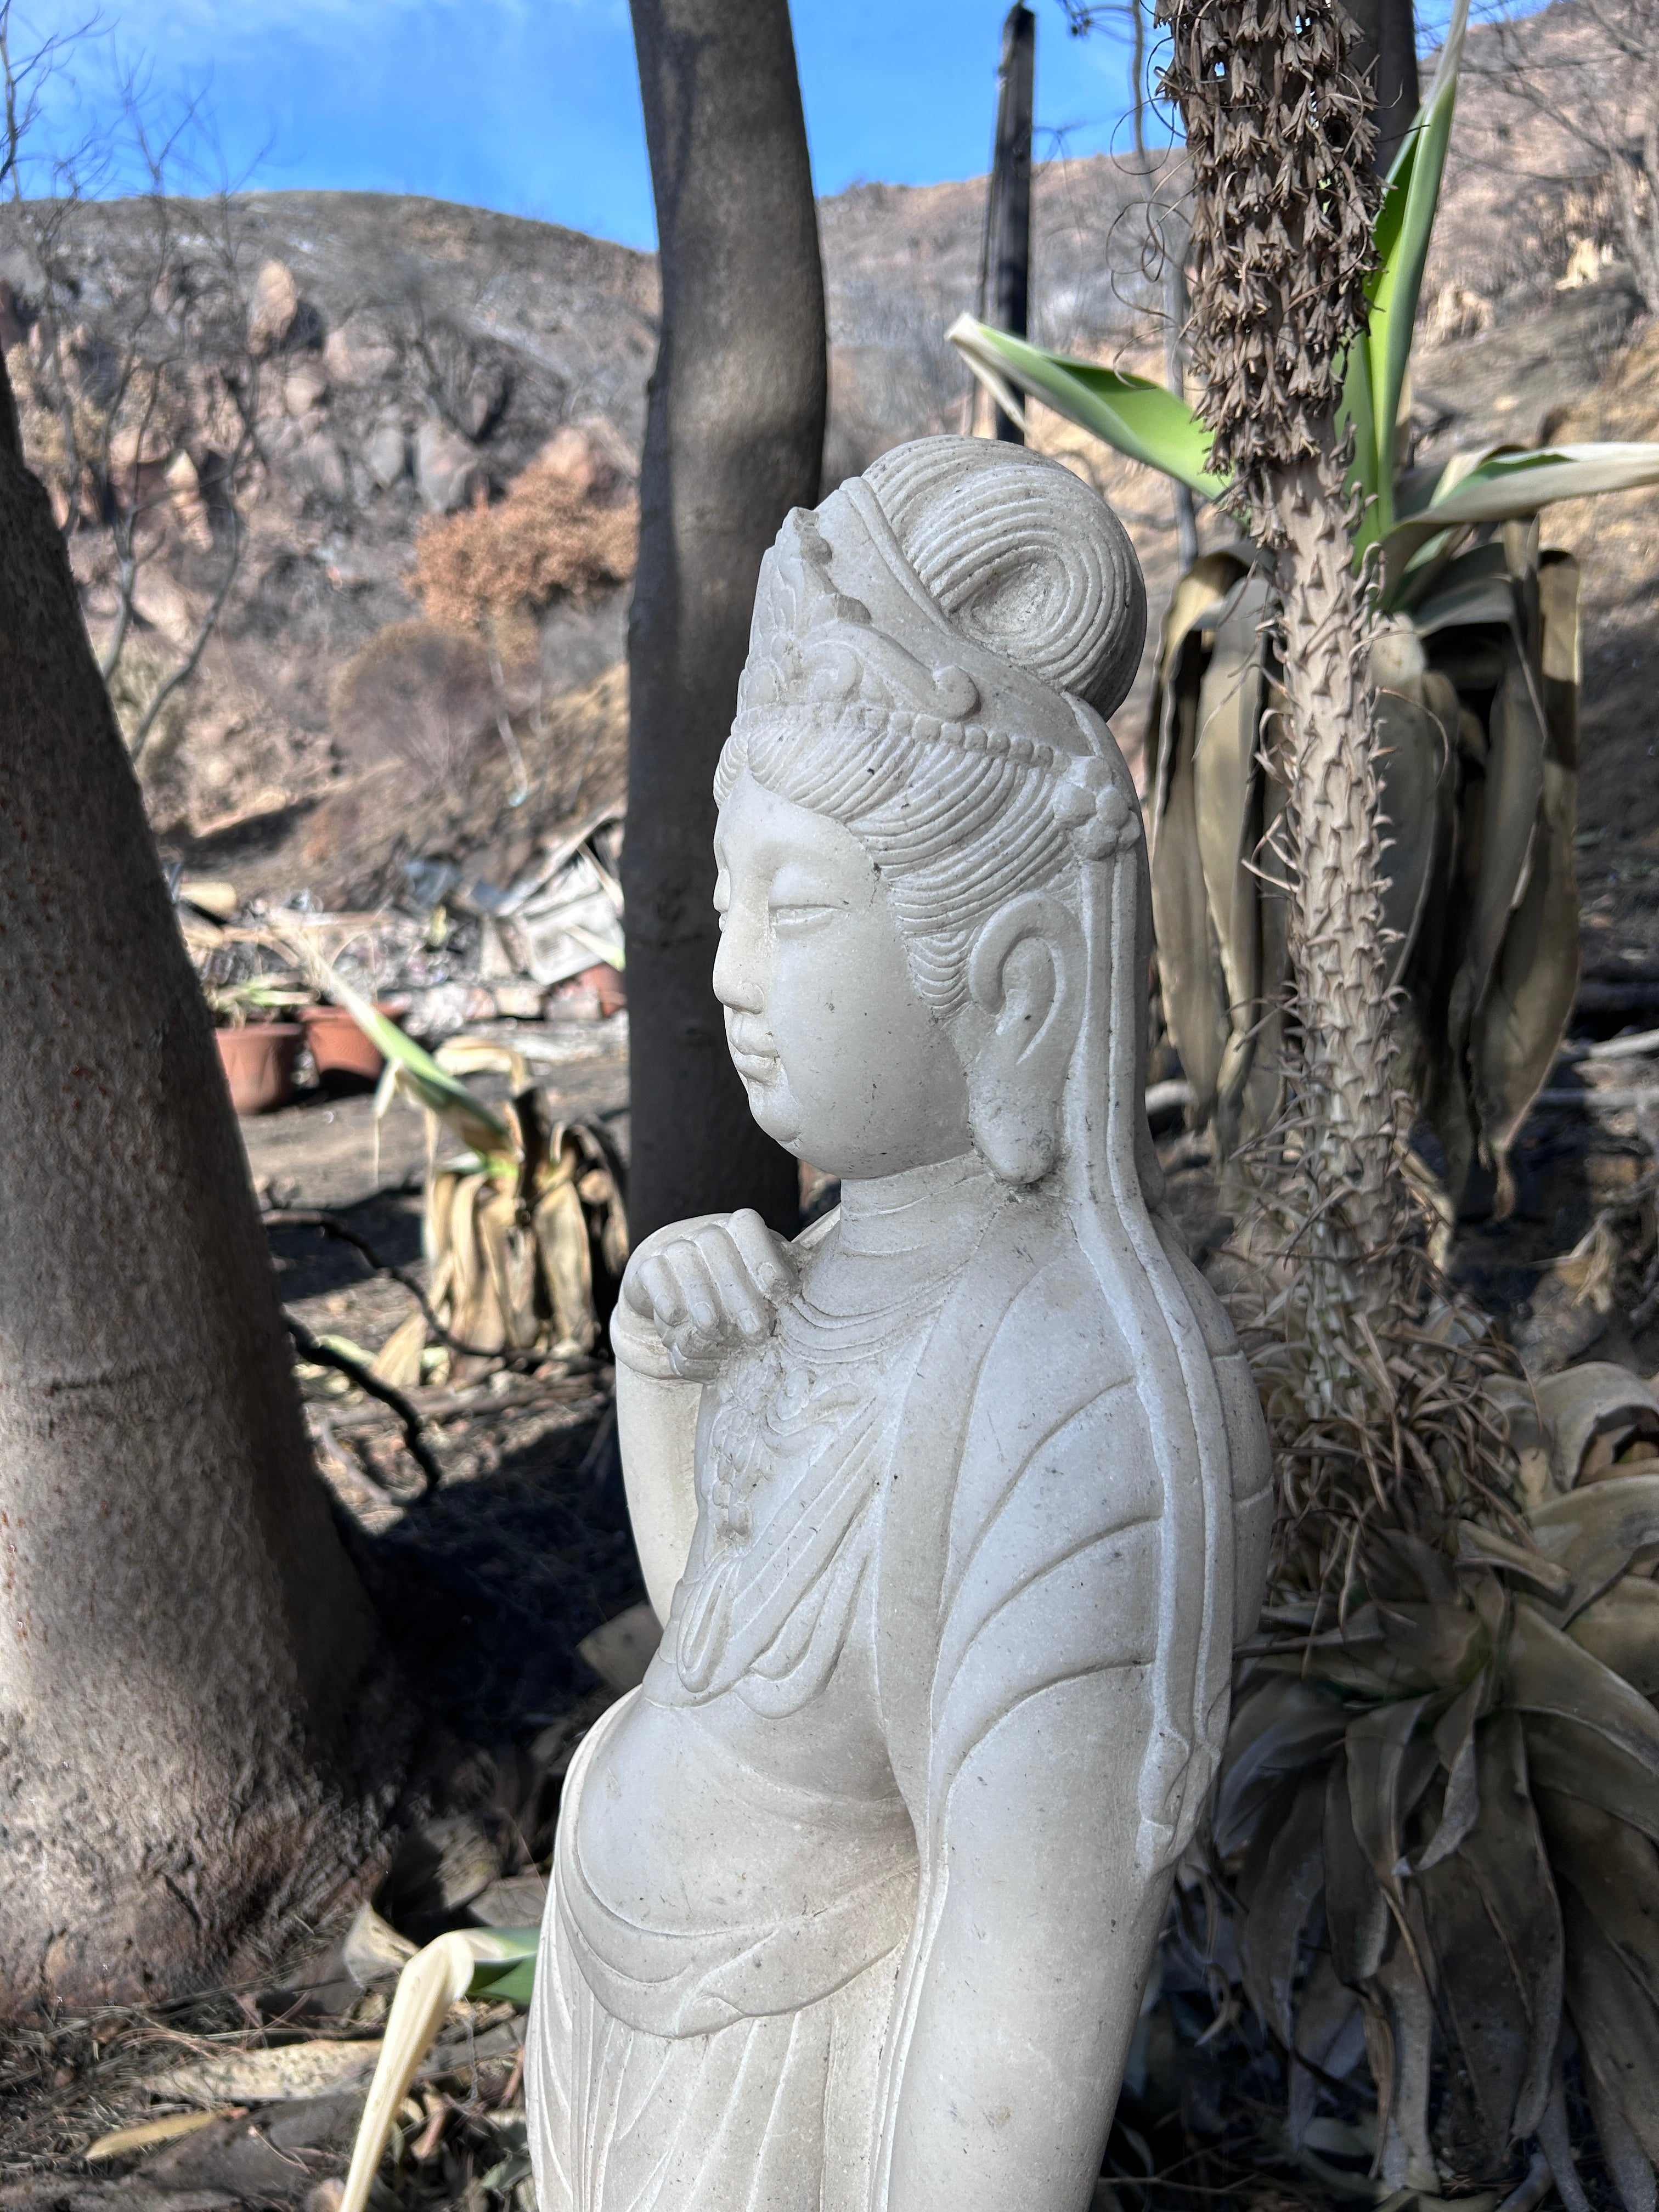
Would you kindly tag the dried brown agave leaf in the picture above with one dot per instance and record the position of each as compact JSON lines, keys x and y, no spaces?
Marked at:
{"x":1609,"y":1894}
{"x":510,"y":1261}
{"x":1388,"y":1773}
{"x":1281,"y":1726}
{"x":1595,"y":1531}
{"x":1495,"y":1928}
{"x":1478,"y":1544}
{"x":1615,"y":1872}
{"x":1517,"y":1028}
{"x":1628,"y":2166}
{"x":1590,"y":1400}
{"x":1193,"y":607}
{"x":1508,"y":798}
{"x":560,"y":1231}
{"x":437,"y":1238}
{"x":1413,"y":764}
{"x":1576,"y":1762}
{"x":1621,"y":1629}
{"x":1405,"y":2154}
{"x":1355,"y":1910}
{"x":1279,"y":1891}
{"x":398,"y":1359}
{"x":1588,"y":1732}
{"x":1455,"y":1742}
{"x":1228,"y":817}
{"x":1188,"y":961}
{"x":1532,"y":1438}
{"x":1330,"y":2038}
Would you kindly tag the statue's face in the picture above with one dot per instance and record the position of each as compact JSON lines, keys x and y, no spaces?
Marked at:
{"x":844,"y":1065}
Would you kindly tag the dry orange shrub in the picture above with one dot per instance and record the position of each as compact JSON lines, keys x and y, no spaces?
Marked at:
{"x":558,"y":532}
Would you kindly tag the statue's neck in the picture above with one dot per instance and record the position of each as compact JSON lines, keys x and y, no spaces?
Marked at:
{"x":921,"y":1208}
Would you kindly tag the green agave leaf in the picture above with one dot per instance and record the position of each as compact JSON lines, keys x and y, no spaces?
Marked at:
{"x":1405,"y":225}
{"x":1138,"y":418}
{"x":1508,"y":486}
{"x":458,"y":1108}
{"x":504,"y":1963}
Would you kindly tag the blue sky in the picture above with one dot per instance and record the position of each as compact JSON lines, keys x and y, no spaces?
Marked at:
{"x":532,"y":105}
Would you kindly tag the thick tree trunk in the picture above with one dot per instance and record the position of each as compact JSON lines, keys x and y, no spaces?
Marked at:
{"x":198,"y":1731}
{"x":1385,"y":50}
{"x":735,"y":437}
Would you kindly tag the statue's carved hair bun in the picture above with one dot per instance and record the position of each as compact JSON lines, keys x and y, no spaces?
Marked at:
{"x":1022,"y":557}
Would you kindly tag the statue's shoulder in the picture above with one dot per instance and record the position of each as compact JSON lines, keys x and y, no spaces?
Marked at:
{"x":1022,"y":1518}
{"x":1028,"y":1329}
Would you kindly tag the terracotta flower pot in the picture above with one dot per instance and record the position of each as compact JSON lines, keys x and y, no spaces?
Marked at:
{"x":608,"y":982}
{"x":258,"y":1062}
{"x":339,"y":1047}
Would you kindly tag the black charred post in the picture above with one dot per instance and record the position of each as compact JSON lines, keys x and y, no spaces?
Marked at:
{"x":1008,"y":219}
{"x":1384,"y":49}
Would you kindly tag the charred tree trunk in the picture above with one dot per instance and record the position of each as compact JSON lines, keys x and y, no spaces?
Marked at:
{"x":199,"y":1734}
{"x":1384,"y":49}
{"x":734,"y":438}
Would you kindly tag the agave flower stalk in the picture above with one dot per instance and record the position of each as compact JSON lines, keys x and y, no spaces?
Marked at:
{"x":1279,"y":141}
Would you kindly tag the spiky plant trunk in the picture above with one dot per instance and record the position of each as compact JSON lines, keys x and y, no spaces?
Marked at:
{"x":1284,"y":195}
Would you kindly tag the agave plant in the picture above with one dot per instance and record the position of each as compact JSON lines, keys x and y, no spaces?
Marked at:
{"x":526,"y":1230}
{"x":479,"y":1963}
{"x":1474,"y":652}
{"x":1439,"y":1809}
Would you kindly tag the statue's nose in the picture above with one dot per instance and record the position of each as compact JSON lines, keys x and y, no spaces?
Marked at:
{"x":735,"y":987}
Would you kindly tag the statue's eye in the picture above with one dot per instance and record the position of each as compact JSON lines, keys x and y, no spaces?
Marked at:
{"x":795,"y":918}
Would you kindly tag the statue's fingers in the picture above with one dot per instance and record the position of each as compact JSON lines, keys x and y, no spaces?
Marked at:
{"x":741,"y":1301}
{"x":699,"y":1297}
{"x":662,"y":1286}
{"x":766,"y":1256}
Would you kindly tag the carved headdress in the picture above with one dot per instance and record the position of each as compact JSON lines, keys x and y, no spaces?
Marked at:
{"x":993,"y":630}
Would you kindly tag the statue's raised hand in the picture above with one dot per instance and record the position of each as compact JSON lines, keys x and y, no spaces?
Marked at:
{"x":712,"y":1290}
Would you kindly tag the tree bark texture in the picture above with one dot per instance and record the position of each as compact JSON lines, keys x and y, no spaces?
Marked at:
{"x":734,"y":439}
{"x":198,"y":1730}
{"x":1384,"y":48}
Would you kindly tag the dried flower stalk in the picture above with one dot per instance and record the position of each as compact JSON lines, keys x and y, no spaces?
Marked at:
{"x":1283,"y":200}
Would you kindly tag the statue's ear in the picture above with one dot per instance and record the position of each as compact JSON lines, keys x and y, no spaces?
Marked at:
{"x":1018,"y":1031}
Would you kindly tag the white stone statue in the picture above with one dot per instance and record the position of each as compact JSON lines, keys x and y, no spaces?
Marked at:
{"x":955,"y":1506}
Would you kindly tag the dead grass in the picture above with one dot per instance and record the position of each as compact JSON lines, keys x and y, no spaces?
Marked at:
{"x":563,"y":531}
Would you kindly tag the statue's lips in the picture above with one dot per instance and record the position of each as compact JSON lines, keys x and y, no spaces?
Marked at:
{"x":749,"y":1043}
{"x":755,"y":1066}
